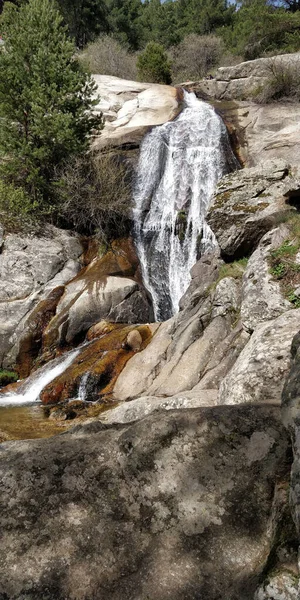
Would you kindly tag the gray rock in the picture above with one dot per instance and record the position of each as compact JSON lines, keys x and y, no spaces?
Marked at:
{"x":180,"y":505}
{"x":242,"y":81}
{"x":291,"y":419}
{"x":246,"y":205}
{"x":87,"y":301}
{"x":30,"y":267}
{"x":262,"y":298}
{"x":282,"y":586}
{"x":259,"y":372}
{"x":226,"y":298}
{"x":195,"y":348}
{"x":137,"y":409}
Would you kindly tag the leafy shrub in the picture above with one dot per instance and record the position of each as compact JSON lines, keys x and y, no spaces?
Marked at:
{"x":108,"y":57}
{"x":153,"y":64}
{"x":16,"y":207}
{"x":196,"y":56}
{"x":95,"y":194}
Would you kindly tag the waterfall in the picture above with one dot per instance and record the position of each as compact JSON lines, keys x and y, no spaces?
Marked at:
{"x":82,"y":387}
{"x":180,"y":164}
{"x":30,"y":390}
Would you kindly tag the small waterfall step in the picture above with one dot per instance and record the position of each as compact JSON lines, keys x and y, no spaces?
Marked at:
{"x":30,"y":390}
{"x":180,"y":164}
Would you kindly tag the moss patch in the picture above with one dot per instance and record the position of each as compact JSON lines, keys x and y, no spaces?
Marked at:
{"x":235,"y":269}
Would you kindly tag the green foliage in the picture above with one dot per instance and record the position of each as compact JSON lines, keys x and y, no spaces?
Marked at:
{"x":7,"y":377}
{"x":16,"y":207}
{"x":294,"y":299}
{"x":278,"y":270}
{"x":159,"y":23}
{"x":153,"y":64}
{"x":124,"y":21}
{"x":285,"y":250}
{"x":235,"y":269}
{"x":259,"y":28}
{"x":282,"y":263}
{"x":85,"y":19}
{"x":45,"y":100}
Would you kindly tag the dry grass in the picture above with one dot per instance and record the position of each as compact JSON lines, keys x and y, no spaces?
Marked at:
{"x":195,"y":57}
{"x":96,"y":194}
{"x":107,"y":56}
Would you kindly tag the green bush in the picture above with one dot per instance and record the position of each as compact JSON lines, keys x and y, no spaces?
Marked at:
{"x":153,"y":64}
{"x":7,"y":377}
{"x":17,"y":210}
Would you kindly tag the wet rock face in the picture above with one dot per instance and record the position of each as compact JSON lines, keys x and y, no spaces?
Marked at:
{"x":108,"y":288}
{"x":180,"y":505}
{"x":98,"y":365}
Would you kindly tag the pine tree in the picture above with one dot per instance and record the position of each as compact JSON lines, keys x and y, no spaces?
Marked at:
{"x":45,"y":99}
{"x":153,"y":64}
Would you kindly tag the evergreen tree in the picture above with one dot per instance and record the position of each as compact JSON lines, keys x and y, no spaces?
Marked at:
{"x":85,"y":19}
{"x":159,"y":22}
{"x":153,"y":64}
{"x":45,"y":99}
{"x":124,"y":21}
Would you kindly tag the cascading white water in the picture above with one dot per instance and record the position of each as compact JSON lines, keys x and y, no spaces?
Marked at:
{"x":82,"y":387}
{"x":179,"y":167}
{"x":29,"y":391}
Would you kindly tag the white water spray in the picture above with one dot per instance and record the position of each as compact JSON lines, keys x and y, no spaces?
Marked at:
{"x":29,"y":392}
{"x":179,"y":167}
{"x":82,"y":387}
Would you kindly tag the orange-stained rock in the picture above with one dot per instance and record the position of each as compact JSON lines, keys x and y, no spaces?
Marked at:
{"x":102,"y":328}
{"x":11,"y":387}
{"x":101,"y":362}
{"x":108,"y":288}
{"x":31,"y":339}
{"x":134,"y":340}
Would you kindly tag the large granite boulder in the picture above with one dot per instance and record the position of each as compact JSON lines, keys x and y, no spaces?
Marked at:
{"x":33,"y":271}
{"x":259,"y":372}
{"x":194,"y":349}
{"x":183,"y":505}
{"x":264,"y":132}
{"x":131,"y":108}
{"x":243,"y":81}
{"x":108,"y":288}
{"x":262,"y":296}
{"x":247,"y":204}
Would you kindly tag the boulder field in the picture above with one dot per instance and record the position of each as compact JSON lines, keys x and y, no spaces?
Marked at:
{"x":186,"y":487}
